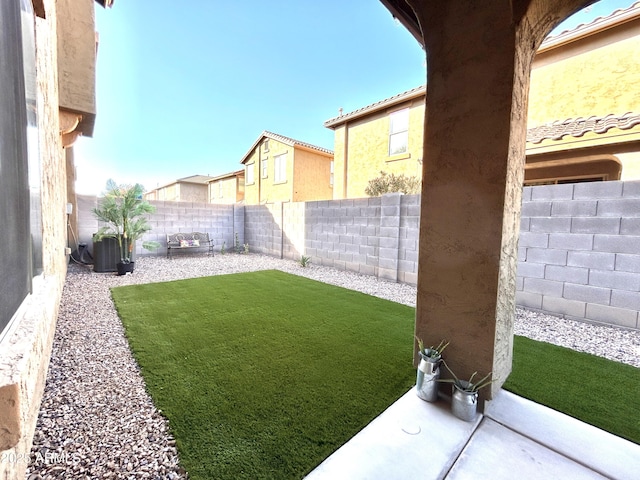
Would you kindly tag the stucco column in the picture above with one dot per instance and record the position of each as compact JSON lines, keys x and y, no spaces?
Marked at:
{"x":479,"y":58}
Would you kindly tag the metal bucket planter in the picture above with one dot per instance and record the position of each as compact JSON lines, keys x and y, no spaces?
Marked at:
{"x":464,"y":404}
{"x":427,"y":378}
{"x":124,"y":268}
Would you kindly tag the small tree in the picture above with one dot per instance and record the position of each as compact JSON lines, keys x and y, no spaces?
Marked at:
{"x":391,"y":183}
{"x":124,"y":210}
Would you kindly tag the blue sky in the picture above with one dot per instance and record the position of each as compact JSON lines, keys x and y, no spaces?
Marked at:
{"x":185,"y":88}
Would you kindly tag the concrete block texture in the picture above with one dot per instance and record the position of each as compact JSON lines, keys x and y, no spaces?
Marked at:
{"x":612,"y":315}
{"x":631,"y":189}
{"x":536,"y":209}
{"x":559,"y":273}
{"x":587,"y":293}
{"x":529,"y":239}
{"x":628,"y":300}
{"x":630,"y":226}
{"x":574,"y":208}
{"x":543,"y":287}
{"x":564,"y":306}
{"x":615,"y":280}
{"x":529,"y":300}
{"x":571,"y":241}
{"x":552,"y":192}
{"x":531,"y":270}
{"x":593,"y":190}
{"x":624,"y":207}
{"x":598,"y":260}
{"x":617,"y":243}
{"x":627,"y":263}
{"x":592,"y":225}
{"x":550,"y":224}
{"x":547,"y":256}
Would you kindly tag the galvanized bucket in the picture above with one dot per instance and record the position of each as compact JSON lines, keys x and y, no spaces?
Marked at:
{"x":464,"y":405}
{"x":427,"y":378}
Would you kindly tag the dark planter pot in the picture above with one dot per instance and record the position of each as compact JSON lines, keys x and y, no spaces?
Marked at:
{"x":124,"y":268}
{"x":106,"y":254}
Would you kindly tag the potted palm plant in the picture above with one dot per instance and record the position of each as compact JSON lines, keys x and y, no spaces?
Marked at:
{"x":429,"y":370}
{"x":123,"y":210}
{"x":464,"y":397}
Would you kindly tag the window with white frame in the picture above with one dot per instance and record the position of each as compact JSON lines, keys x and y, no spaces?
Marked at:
{"x":280,"y":164}
{"x":399,"y":132}
{"x":265,"y":145}
{"x":265,"y":164}
{"x":249,"y":173}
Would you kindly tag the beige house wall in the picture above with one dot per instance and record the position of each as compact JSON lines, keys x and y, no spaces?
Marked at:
{"x":226,"y":191}
{"x":252,"y":190}
{"x":192,"y":192}
{"x":368,"y":150}
{"x":596,"y":76}
{"x":25,"y":351}
{"x":307,"y":174}
{"x":311,"y":176}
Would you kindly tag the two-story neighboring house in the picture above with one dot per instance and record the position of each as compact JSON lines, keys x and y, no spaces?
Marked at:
{"x":227,"y":189}
{"x":584,"y":115}
{"x":281,"y":169}
{"x":194,"y":188}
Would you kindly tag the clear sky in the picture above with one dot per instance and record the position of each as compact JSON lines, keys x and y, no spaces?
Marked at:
{"x":185,"y":88}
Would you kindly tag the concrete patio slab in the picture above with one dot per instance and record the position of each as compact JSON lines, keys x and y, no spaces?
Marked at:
{"x":516,"y":438}
{"x":411,"y":439}
{"x":498,"y":453}
{"x":611,"y":456}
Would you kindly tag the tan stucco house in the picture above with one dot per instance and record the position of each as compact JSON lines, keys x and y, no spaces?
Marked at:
{"x":194,"y":188}
{"x":281,"y":169}
{"x":227,"y":188}
{"x":583,"y":119}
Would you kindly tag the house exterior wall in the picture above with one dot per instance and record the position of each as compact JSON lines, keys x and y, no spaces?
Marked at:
{"x":587,"y":87}
{"x":26,"y":348}
{"x":226,"y":190}
{"x":311,"y":176}
{"x":252,"y":189}
{"x":367,"y":152}
{"x":192,"y":192}
{"x":270,"y":189}
{"x":631,"y":162}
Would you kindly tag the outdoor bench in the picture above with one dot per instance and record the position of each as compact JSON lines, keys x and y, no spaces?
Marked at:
{"x":186,"y":241}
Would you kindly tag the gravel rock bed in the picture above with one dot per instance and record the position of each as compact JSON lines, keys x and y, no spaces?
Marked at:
{"x":96,"y":419}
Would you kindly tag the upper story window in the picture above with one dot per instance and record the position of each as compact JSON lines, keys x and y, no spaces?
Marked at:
{"x":399,"y":132}
{"x":265,"y":164}
{"x":249,"y":173}
{"x":265,"y":145}
{"x":220,"y":189}
{"x":280,"y":163}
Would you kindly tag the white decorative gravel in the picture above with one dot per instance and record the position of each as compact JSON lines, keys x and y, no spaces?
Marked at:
{"x":96,"y":419}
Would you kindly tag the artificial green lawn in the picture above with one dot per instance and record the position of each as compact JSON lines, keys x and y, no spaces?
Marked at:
{"x":598,"y":391}
{"x":264,"y":374}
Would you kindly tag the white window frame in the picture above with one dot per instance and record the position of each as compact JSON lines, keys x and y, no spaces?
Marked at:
{"x":249,"y":174}
{"x":265,"y":166}
{"x":280,"y":168}
{"x":399,"y":132}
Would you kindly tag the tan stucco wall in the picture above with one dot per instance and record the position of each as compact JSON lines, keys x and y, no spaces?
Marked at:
{"x":312,"y":176}
{"x":26,"y":350}
{"x":594,"y":77}
{"x":191,"y":192}
{"x":368,"y":150}
{"x":270,"y":191}
{"x":231,"y":191}
{"x":77,"y":59}
{"x":252,"y":190}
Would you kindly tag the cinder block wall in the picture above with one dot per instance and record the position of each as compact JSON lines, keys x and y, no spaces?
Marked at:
{"x":579,"y":252}
{"x":374,"y":236}
{"x":219,"y":221}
